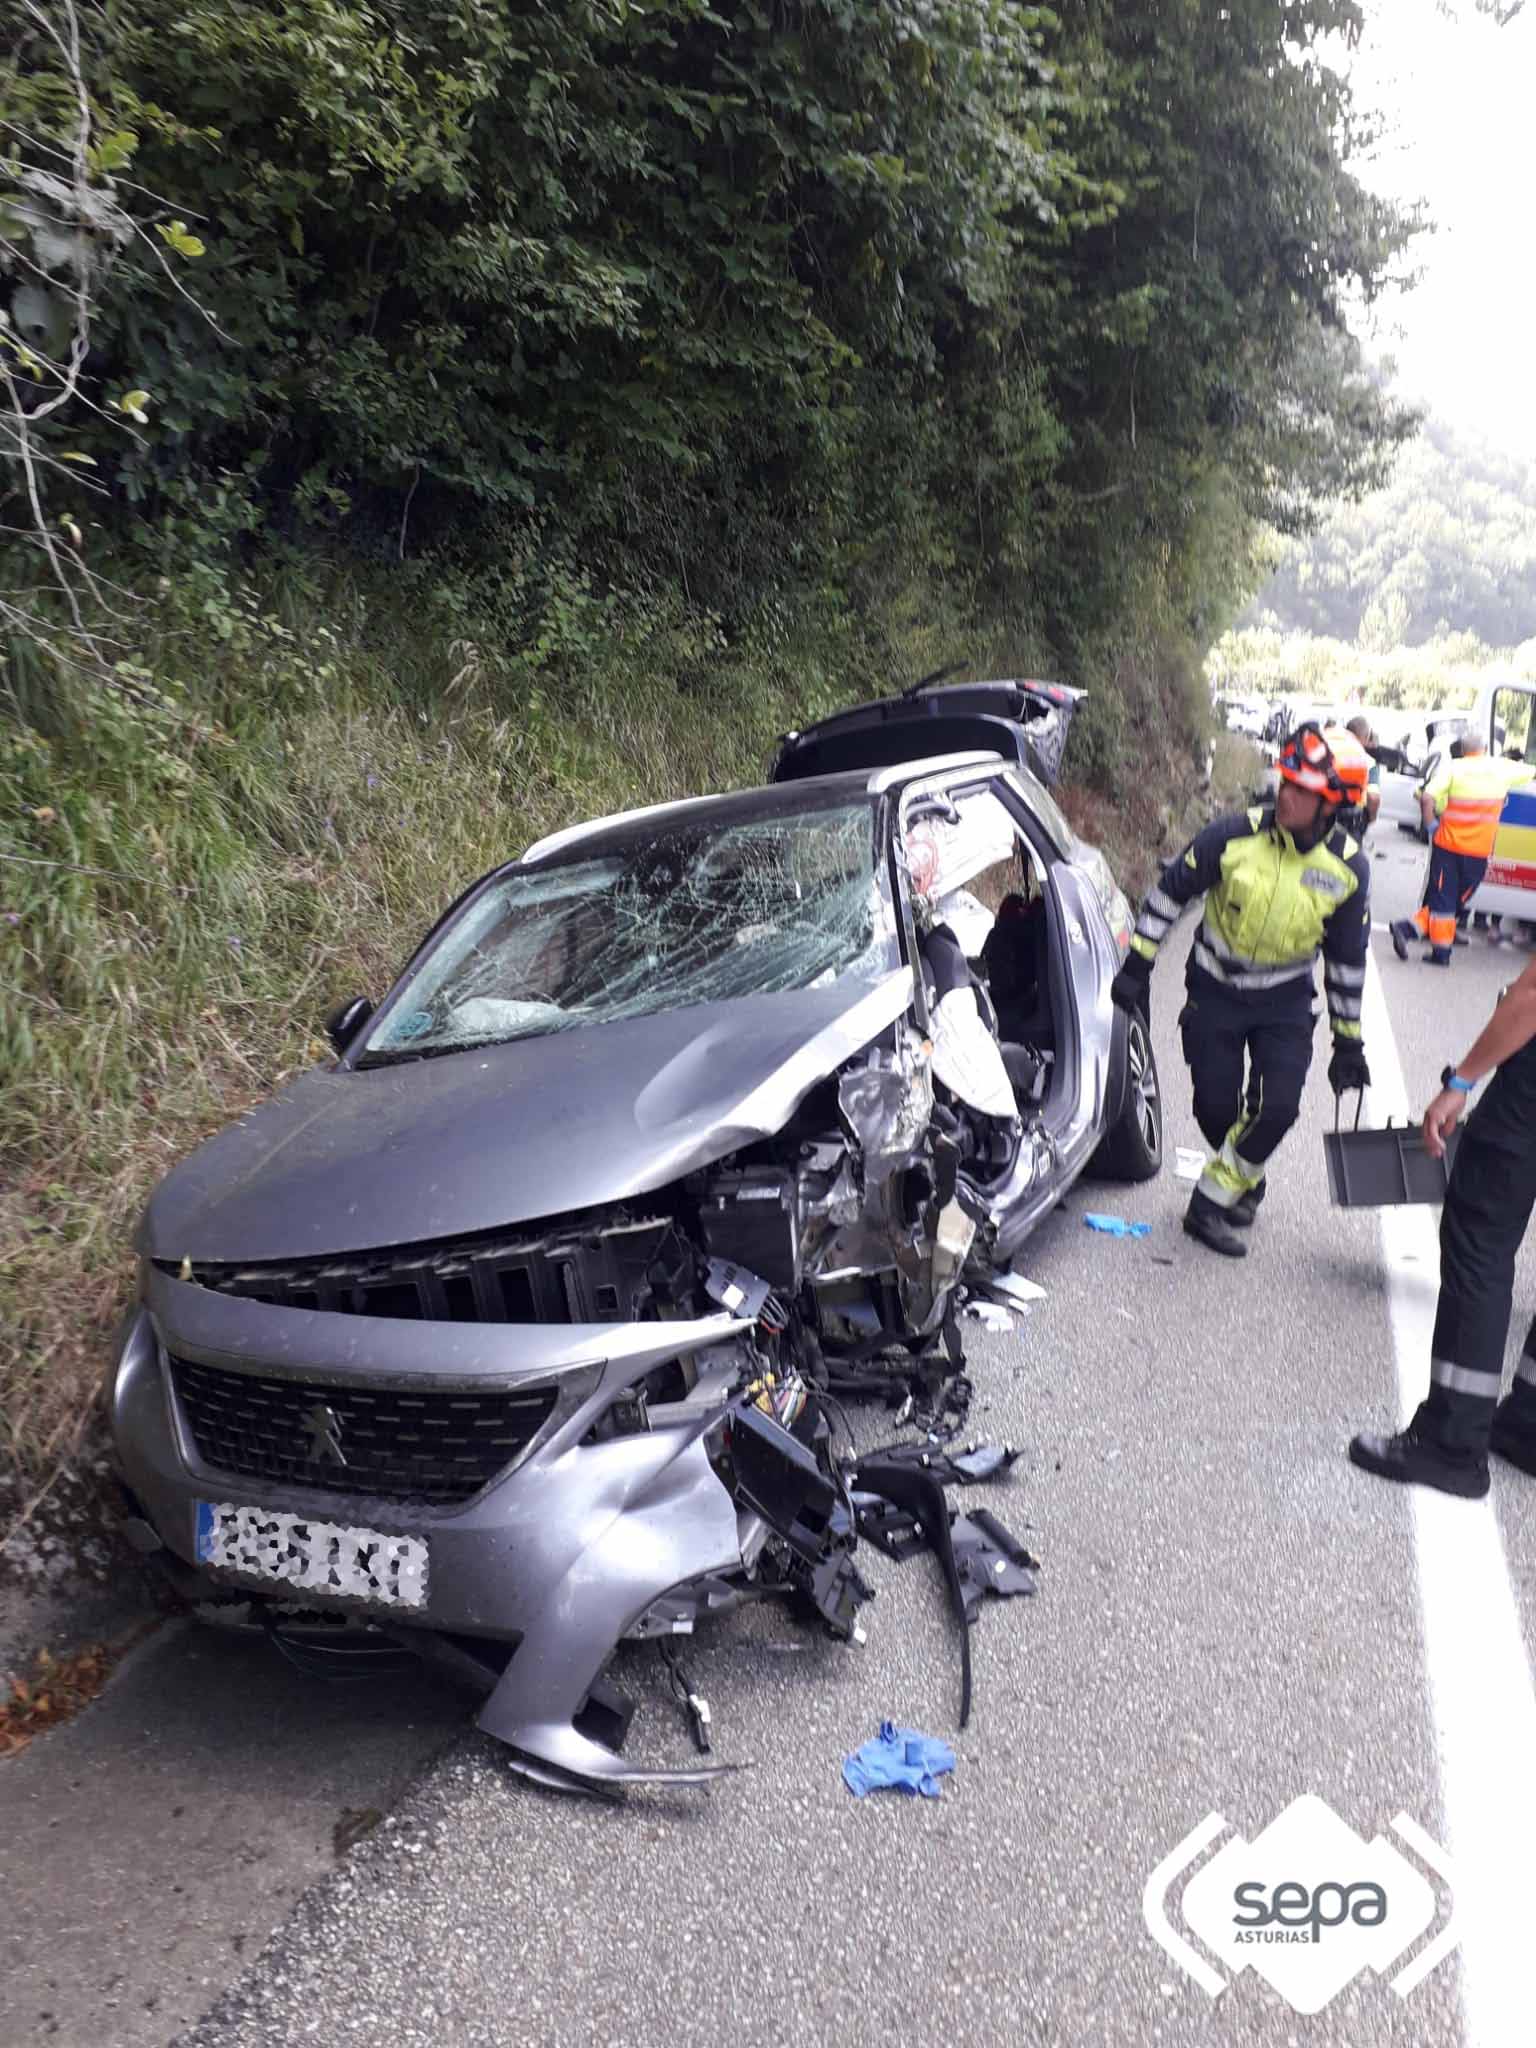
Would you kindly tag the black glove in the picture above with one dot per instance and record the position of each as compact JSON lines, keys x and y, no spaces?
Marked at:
{"x":1347,"y":1069}
{"x":1131,"y":986}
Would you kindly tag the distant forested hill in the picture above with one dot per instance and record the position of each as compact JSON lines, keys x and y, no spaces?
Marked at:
{"x":1448,"y":547}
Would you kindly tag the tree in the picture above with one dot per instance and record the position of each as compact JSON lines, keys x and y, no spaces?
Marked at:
{"x":64,"y":229}
{"x":1452,"y":536}
{"x":790,"y":295}
{"x":1385,"y":624}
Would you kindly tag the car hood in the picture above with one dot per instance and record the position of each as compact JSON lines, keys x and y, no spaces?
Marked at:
{"x":343,"y":1160}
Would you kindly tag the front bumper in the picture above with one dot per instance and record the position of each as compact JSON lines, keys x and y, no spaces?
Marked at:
{"x":562,"y":1554}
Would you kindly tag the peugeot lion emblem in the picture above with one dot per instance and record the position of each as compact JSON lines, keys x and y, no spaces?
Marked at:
{"x":322,"y":1432}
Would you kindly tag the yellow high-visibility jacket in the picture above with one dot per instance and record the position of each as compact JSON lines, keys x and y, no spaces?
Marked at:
{"x":1270,"y":909}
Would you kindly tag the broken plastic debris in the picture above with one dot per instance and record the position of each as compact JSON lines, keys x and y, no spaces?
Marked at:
{"x":991,"y":1315}
{"x":990,"y":1559}
{"x":970,"y":1467}
{"x":1116,"y":1226}
{"x":898,"y":1760}
{"x":983,"y":1461}
{"x":1188,"y":1164}
{"x":1013,"y":1289}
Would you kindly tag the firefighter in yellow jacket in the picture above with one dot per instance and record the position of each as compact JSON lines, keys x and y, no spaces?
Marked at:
{"x":1463,"y":804}
{"x":1281,"y":884}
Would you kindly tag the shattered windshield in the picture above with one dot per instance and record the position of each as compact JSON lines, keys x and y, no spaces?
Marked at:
{"x":699,"y":909}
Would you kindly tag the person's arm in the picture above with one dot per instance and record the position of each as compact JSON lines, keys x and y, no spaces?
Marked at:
{"x":1372,"y":805}
{"x":1434,"y":795}
{"x":1512,"y":1025}
{"x":1188,"y":875}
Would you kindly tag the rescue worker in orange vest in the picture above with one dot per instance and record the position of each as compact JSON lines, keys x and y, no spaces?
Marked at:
{"x":1466,"y":797}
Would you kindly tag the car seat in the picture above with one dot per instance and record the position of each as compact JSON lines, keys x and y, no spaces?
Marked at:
{"x":1016,"y":959}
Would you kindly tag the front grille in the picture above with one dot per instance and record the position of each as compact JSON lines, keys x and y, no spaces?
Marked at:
{"x":419,"y":1444}
{"x":572,"y":1272}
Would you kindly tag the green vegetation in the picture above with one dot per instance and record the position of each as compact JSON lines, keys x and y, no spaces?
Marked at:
{"x":423,"y":422}
{"x":1266,"y":662}
{"x":803,"y":294}
{"x":1444,"y":553}
{"x":1414,"y":596}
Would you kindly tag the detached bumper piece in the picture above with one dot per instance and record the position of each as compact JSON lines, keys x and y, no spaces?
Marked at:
{"x":902,"y":1508}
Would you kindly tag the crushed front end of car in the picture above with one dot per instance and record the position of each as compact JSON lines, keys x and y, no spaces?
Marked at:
{"x":515,"y":1450}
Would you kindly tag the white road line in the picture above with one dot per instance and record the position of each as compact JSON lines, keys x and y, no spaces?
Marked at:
{"x":1481,"y":1694}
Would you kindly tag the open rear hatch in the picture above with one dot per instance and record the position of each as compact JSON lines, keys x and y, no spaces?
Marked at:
{"x":1026,"y":722}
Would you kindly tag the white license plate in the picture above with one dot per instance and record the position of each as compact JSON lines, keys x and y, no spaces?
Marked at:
{"x":307,"y":1555}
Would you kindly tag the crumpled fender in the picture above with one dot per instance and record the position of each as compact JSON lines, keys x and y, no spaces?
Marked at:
{"x":678,"y":1523}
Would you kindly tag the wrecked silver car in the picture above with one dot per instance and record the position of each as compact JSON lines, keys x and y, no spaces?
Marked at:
{"x":511,"y":1333}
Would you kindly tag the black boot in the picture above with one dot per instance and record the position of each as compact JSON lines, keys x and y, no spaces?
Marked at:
{"x":1246,"y":1207}
{"x":1415,"y":1455}
{"x":1403,"y":931}
{"x":1208,"y":1221}
{"x":1513,"y":1437}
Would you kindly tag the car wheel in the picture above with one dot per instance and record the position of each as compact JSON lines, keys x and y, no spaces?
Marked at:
{"x":1133,"y":1150}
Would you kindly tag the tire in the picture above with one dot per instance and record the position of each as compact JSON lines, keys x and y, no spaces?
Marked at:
{"x":1133,"y":1149}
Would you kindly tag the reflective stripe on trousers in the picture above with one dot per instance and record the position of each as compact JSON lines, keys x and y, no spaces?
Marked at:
{"x":1488,"y":1206}
{"x":1248,"y":1063}
{"x":1454,"y":879}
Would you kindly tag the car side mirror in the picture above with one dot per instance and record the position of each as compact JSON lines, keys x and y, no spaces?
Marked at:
{"x":346,"y":1020}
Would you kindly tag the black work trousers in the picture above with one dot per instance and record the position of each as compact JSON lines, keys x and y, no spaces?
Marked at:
{"x":1248,"y":1056}
{"x":1487,"y":1211}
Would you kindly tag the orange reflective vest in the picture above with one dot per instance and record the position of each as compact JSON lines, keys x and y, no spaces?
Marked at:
{"x":1468,"y":796}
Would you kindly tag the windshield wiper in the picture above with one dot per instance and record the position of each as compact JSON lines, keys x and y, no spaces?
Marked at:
{"x":398,"y":1056}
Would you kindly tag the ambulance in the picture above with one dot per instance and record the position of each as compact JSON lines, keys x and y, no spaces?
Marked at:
{"x":1503,"y":717}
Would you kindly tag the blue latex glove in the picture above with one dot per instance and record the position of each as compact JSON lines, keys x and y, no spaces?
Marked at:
{"x":1116,"y":1226}
{"x":901,"y":1759}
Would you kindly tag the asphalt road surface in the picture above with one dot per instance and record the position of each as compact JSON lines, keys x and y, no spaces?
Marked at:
{"x":1229,"y":1616}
